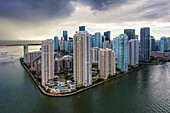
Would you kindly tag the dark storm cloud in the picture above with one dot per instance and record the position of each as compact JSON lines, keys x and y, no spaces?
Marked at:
{"x":156,"y":10}
{"x":35,"y":9}
{"x":102,"y":4}
{"x":49,"y":9}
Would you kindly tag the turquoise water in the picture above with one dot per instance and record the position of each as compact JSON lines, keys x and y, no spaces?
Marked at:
{"x":60,"y":87}
{"x":143,"y":91}
{"x":94,"y":72}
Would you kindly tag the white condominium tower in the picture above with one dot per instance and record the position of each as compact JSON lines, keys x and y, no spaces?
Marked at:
{"x":133,"y":52}
{"x":47,"y":60}
{"x":94,"y":54}
{"x":106,"y":63}
{"x":82,"y":58}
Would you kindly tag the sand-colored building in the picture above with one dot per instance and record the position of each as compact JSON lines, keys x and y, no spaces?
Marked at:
{"x":106,"y":63}
{"x":82,"y":59}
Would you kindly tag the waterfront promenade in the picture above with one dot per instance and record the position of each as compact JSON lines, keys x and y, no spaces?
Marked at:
{"x":75,"y":92}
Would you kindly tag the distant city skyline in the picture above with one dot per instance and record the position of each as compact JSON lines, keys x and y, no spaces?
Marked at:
{"x":40,"y":20}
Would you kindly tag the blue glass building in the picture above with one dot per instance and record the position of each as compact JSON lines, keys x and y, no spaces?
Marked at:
{"x":56,"y":43}
{"x":130,"y":33}
{"x":107,"y":35}
{"x":120,"y":47}
{"x":81,"y":28}
{"x":70,"y":46}
{"x":93,"y":40}
{"x":152,"y":43}
{"x":98,"y":40}
{"x":163,"y":44}
{"x":66,"y":46}
{"x":65,"y":35}
{"x":145,"y":44}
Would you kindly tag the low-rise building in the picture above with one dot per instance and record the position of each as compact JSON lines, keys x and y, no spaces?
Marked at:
{"x":61,"y":82}
{"x":157,"y":54}
{"x":72,"y":85}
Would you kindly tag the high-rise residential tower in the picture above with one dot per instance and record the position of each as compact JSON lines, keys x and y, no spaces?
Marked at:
{"x":94,"y":54}
{"x":65,"y":35}
{"x":82,"y":59}
{"x":157,"y":45}
{"x":106,"y":44}
{"x":168,"y":43}
{"x":145,"y":44}
{"x":98,"y":40}
{"x":66,"y":46}
{"x":93,"y":40}
{"x":47,"y":61}
{"x":25,"y":51}
{"x":130,"y":33}
{"x":152,"y":43}
{"x":163,"y":44}
{"x":56,"y":43}
{"x":120,"y":47}
{"x":133,"y":52}
{"x":62,"y":45}
{"x":106,"y":63}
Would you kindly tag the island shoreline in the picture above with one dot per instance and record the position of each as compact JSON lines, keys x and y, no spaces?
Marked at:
{"x":75,"y":92}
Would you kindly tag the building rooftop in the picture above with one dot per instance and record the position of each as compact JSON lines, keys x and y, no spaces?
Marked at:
{"x":123,"y":35}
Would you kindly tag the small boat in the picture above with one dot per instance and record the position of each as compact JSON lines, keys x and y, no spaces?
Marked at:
{"x":4,"y":53}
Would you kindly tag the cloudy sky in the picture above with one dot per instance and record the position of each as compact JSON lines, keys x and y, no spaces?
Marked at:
{"x":42,"y":19}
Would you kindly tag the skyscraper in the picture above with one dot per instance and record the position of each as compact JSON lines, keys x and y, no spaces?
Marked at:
{"x":47,"y":61}
{"x":98,"y":40}
{"x":70,"y":46}
{"x":62,"y":45}
{"x":163,"y":44}
{"x":157,"y":45}
{"x":25,"y":51}
{"x":168,"y":43}
{"x":106,"y":45}
{"x":61,"y":38}
{"x":145,"y":44}
{"x":93,"y":40}
{"x":130,"y":33}
{"x":107,"y":35}
{"x":82,"y":58}
{"x":66,"y":46}
{"x":65,"y":35}
{"x":133,"y":52}
{"x":94,"y":54}
{"x":120,"y":47}
{"x":106,"y":63}
{"x":152,"y":43}
{"x":81,"y":28}
{"x":56,"y":43}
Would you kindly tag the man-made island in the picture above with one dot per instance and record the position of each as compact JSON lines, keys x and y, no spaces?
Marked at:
{"x":56,"y":90}
{"x":69,"y":66}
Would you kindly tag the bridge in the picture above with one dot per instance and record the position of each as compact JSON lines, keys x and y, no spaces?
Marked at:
{"x":20,"y":44}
